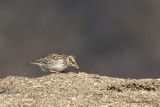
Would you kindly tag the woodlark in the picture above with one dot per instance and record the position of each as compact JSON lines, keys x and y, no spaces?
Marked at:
{"x":56,"y":63}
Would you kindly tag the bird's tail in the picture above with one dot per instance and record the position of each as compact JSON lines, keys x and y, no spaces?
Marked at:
{"x":31,"y":63}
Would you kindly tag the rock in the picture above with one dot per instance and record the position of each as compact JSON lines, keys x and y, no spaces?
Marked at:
{"x":78,"y":89}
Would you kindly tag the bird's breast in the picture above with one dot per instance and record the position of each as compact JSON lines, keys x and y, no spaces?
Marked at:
{"x":58,"y":65}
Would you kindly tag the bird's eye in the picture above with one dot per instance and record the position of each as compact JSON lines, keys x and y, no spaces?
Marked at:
{"x":70,"y":61}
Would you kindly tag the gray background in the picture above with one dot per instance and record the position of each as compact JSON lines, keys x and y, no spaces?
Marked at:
{"x":118,"y":38}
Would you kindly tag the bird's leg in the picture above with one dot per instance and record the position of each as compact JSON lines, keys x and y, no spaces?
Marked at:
{"x":64,"y":71}
{"x":55,"y":71}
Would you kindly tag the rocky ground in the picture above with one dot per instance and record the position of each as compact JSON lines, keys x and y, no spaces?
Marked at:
{"x":78,"y":90}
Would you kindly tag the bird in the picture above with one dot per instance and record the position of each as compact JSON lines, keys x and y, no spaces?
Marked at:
{"x":56,"y":63}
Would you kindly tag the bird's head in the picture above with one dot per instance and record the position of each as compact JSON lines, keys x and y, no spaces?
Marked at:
{"x":71,"y":61}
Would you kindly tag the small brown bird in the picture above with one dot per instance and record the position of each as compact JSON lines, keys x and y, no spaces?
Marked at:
{"x":56,"y":63}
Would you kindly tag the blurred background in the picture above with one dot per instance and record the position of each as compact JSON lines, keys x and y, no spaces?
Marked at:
{"x":117,"y":38}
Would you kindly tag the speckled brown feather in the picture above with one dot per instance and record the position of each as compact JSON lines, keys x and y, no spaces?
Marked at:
{"x":50,"y":57}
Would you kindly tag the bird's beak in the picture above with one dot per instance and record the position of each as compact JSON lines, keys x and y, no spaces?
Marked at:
{"x":77,"y":66}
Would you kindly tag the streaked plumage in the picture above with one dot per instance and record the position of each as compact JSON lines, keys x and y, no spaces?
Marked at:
{"x":56,"y":62}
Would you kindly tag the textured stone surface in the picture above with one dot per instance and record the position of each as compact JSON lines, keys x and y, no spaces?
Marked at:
{"x":78,"y":89}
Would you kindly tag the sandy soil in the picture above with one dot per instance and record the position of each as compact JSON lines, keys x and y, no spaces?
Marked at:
{"x":78,"y":90}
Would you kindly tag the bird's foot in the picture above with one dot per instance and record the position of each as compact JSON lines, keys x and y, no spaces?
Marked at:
{"x":56,"y":72}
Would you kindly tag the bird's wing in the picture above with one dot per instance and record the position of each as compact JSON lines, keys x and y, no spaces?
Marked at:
{"x":48,"y":59}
